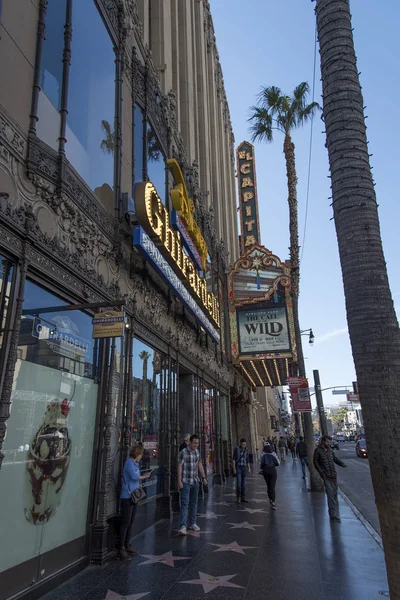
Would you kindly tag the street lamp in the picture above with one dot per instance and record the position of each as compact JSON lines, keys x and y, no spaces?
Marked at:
{"x":311,"y":336}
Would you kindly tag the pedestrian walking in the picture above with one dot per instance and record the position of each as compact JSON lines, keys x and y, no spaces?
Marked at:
{"x":269,"y":462}
{"x":240,"y":468}
{"x":282,"y":448}
{"x":292,"y":448}
{"x":302,"y":453}
{"x":189,"y":467}
{"x":131,"y":478}
{"x":185,"y":442}
{"x":324,"y":462}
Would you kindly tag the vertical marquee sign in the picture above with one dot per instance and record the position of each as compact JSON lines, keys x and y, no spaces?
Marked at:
{"x":248,"y":203}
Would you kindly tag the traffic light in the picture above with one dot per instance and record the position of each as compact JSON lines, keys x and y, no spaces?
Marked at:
{"x":355,"y":387}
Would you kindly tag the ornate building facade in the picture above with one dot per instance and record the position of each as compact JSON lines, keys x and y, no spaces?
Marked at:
{"x":98,"y":96}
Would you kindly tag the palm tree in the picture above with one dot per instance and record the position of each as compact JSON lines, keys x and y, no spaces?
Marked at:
{"x":371,"y":317}
{"x":107,"y":145}
{"x":278,"y":112}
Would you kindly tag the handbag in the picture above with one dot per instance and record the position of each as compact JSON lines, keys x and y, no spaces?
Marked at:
{"x":137,"y":495}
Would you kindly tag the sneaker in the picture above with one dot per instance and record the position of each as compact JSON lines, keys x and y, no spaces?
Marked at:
{"x":273,"y":505}
{"x":335,"y":519}
{"x":238,"y":500}
{"x":194,"y":527}
{"x":183,"y":530}
{"x":123,"y":554}
{"x":245,"y":500}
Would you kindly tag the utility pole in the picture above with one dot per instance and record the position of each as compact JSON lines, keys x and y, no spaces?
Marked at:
{"x":320,"y":403}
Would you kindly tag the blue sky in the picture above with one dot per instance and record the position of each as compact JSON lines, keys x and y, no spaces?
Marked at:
{"x":264,"y":42}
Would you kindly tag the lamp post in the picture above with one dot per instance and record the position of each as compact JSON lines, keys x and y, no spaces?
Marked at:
{"x":311,"y":336}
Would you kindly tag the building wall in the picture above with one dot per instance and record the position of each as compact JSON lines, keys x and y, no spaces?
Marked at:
{"x":64,"y":231}
{"x":184,"y":53}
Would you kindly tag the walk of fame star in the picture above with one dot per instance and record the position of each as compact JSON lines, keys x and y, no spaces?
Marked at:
{"x":209,"y":515}
{"x":166,"y":559}
{"x":210,"y":583}
{"x":262,"y":493}
{"x":233,"y":494}
{"x":220,"y":504}
{"x":252,"y":511}
{"x":257,"y":500}
{"x":114,"y":596}
{"x":244,"y":525}
{"x":232,"y":547}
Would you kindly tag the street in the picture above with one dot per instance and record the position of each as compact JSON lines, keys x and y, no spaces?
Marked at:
{"x":356,"y":482}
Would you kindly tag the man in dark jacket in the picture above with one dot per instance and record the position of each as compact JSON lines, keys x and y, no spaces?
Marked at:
{"x":324,"y":462}
{"x":301,"y":450}
{"x":241,"y":465}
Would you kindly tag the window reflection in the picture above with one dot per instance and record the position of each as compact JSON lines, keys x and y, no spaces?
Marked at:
{"x":60,"y":340}
{"x":51,"y":72}
{"x":6,"y":272}
{"x":138,"y":144}
{"x":155,"y":162}
{"x":148,"y":383}
{"x":91,"y":105}
{"x":208,"y":427}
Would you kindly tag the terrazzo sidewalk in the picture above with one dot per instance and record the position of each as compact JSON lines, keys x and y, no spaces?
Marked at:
{"x":246,"y":551}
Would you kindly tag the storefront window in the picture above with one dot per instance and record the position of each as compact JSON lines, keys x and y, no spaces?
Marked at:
{"x":51,"y":74}
{"x":150,"y":381}
{"x":155,"y":162}
{"x":46,"y":471}
{"x":208,"y":427}
{"x":138,"y":144}
{"x":91,"y":101}
{"x":6,"y":273}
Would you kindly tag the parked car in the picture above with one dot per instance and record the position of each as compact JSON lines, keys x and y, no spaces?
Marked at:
{"x":334,"y":444}
{"x":361,"y":449}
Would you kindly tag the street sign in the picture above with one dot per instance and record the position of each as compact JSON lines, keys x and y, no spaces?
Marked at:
{"x":109,"y":323}
{"x":300,"y":393}
{"x":340,"y":392}
{"x":353,"y":398}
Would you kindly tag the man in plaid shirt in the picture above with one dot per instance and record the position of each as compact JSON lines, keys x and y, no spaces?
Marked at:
{"x":189,"y":465}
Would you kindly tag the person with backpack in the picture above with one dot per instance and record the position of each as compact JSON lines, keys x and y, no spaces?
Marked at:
{"x":268,"y":463}
{"x":240,"y":467}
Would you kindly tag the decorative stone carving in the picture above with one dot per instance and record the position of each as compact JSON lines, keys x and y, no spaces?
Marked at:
{"x":11,"y":135}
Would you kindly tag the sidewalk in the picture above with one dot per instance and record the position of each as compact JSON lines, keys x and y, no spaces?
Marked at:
{"x":246,"y":551}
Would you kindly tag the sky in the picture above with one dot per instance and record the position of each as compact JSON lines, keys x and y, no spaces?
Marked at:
{"x":271,"y":42}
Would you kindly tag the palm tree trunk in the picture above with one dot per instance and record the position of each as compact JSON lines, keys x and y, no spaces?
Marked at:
{"x":288,"y":149}
{"x":373,"y":326}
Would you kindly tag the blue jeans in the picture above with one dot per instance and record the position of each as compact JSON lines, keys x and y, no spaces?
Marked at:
{"x":189,"y":497}
{"x":241,"y":473}
{"x":304,"y":462}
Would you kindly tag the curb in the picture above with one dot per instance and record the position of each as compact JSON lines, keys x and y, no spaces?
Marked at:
{"x":361,"y":518}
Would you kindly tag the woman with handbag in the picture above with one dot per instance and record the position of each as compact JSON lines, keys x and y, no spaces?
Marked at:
{"x":268,"y":463}
{"x":131,"y":494}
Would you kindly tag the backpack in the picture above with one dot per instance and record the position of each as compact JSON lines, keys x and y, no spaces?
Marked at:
{"x":269,"y":459}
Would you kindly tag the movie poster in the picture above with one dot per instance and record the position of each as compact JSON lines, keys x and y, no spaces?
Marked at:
{"x":263,"y":330}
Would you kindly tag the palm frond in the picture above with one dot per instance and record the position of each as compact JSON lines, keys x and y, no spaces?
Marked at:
{"x":307,"y":113}
{"x":261,"y":124}
{"x":270,"y":97}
